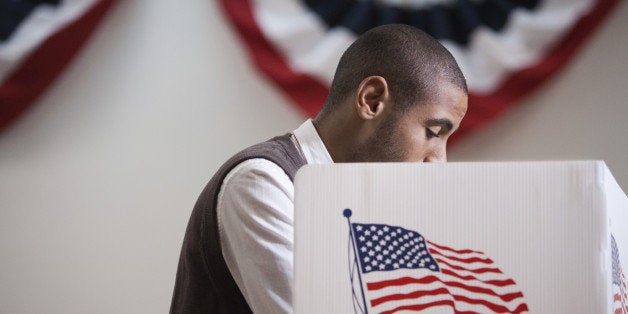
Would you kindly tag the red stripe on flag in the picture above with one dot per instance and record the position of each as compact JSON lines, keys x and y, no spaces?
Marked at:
{"x":21,"y":88}
{"x":495,"y":308}
{"x":498,"y":283}
{"x":463,"y":260}
{"x":420,"y":307}
{"x":413,"y":295}
{"x":507,"y":297}
{"x":446,"y":248}
{"x":399,"y":282}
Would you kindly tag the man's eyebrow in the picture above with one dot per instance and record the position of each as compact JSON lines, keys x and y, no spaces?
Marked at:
{"x":443,"y":122}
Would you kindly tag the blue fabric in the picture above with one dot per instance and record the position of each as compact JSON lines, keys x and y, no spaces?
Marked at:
{"x":13,"y":12}
{"x":455,"y":21}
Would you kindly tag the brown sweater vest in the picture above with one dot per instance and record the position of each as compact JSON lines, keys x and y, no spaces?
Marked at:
{"x":204,"y":283}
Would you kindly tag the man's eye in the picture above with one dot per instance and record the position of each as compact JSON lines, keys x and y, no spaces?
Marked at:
{"x":430,"y":133}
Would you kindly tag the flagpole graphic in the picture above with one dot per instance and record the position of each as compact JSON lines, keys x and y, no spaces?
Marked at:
{"x":347,"y":213}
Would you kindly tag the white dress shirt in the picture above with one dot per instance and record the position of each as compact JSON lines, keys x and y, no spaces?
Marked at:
{"x":255,"y":213}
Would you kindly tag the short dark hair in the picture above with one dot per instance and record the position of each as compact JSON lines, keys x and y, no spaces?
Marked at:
{"x":412,"y":62}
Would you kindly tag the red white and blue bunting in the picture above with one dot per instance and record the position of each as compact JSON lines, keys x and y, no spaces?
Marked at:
{"x":38,"y":38}
{"x":505,"y":48}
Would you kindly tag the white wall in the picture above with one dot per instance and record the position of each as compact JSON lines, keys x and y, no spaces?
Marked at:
{"x":97,"y":180}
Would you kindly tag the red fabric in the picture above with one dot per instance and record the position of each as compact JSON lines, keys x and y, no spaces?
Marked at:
{"x":42,"y":66}
{"x":484,"y":108}
{"x":304,"y":91}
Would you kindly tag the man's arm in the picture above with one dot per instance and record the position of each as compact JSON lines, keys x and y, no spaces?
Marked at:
{"x":255,"y":223}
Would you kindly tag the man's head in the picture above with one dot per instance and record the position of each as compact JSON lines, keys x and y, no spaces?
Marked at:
{"x":397,"y":95}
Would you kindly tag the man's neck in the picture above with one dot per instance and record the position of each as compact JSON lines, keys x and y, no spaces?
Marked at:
{"x":337,"y":136}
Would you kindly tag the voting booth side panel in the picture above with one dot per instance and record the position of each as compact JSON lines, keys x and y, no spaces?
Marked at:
{"x":543,"y":225}
{"x":617,"y":207}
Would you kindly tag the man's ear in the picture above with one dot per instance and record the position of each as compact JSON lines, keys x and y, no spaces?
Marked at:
{"x":371,"y":97}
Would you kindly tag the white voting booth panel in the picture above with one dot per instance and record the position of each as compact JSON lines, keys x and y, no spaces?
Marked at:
{"x":531,"y":237}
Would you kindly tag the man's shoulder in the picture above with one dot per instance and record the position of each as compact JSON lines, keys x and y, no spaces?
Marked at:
{"x":255,"y":171}
{"x":276,"y":153}
{"x":279,"y":146}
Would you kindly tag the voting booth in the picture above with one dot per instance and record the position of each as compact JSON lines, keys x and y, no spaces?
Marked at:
{"x":513,"y":237}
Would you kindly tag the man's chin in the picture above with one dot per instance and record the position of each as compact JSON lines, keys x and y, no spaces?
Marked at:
{"x":379,"y":156}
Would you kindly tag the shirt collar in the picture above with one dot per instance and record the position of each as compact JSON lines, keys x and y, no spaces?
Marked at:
{"x":311,"y":145}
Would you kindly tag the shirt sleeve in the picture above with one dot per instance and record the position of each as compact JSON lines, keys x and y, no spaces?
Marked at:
{"x":255,"y":223}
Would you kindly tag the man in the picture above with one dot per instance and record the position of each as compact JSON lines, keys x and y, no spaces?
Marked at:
{"x":397,"y":95}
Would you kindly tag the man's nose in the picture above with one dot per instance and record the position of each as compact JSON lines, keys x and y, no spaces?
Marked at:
{"x":437,"y":155}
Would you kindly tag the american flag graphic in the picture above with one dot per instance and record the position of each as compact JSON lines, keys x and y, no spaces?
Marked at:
{"x":400,"y":270}
{"x":620,"y":304}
